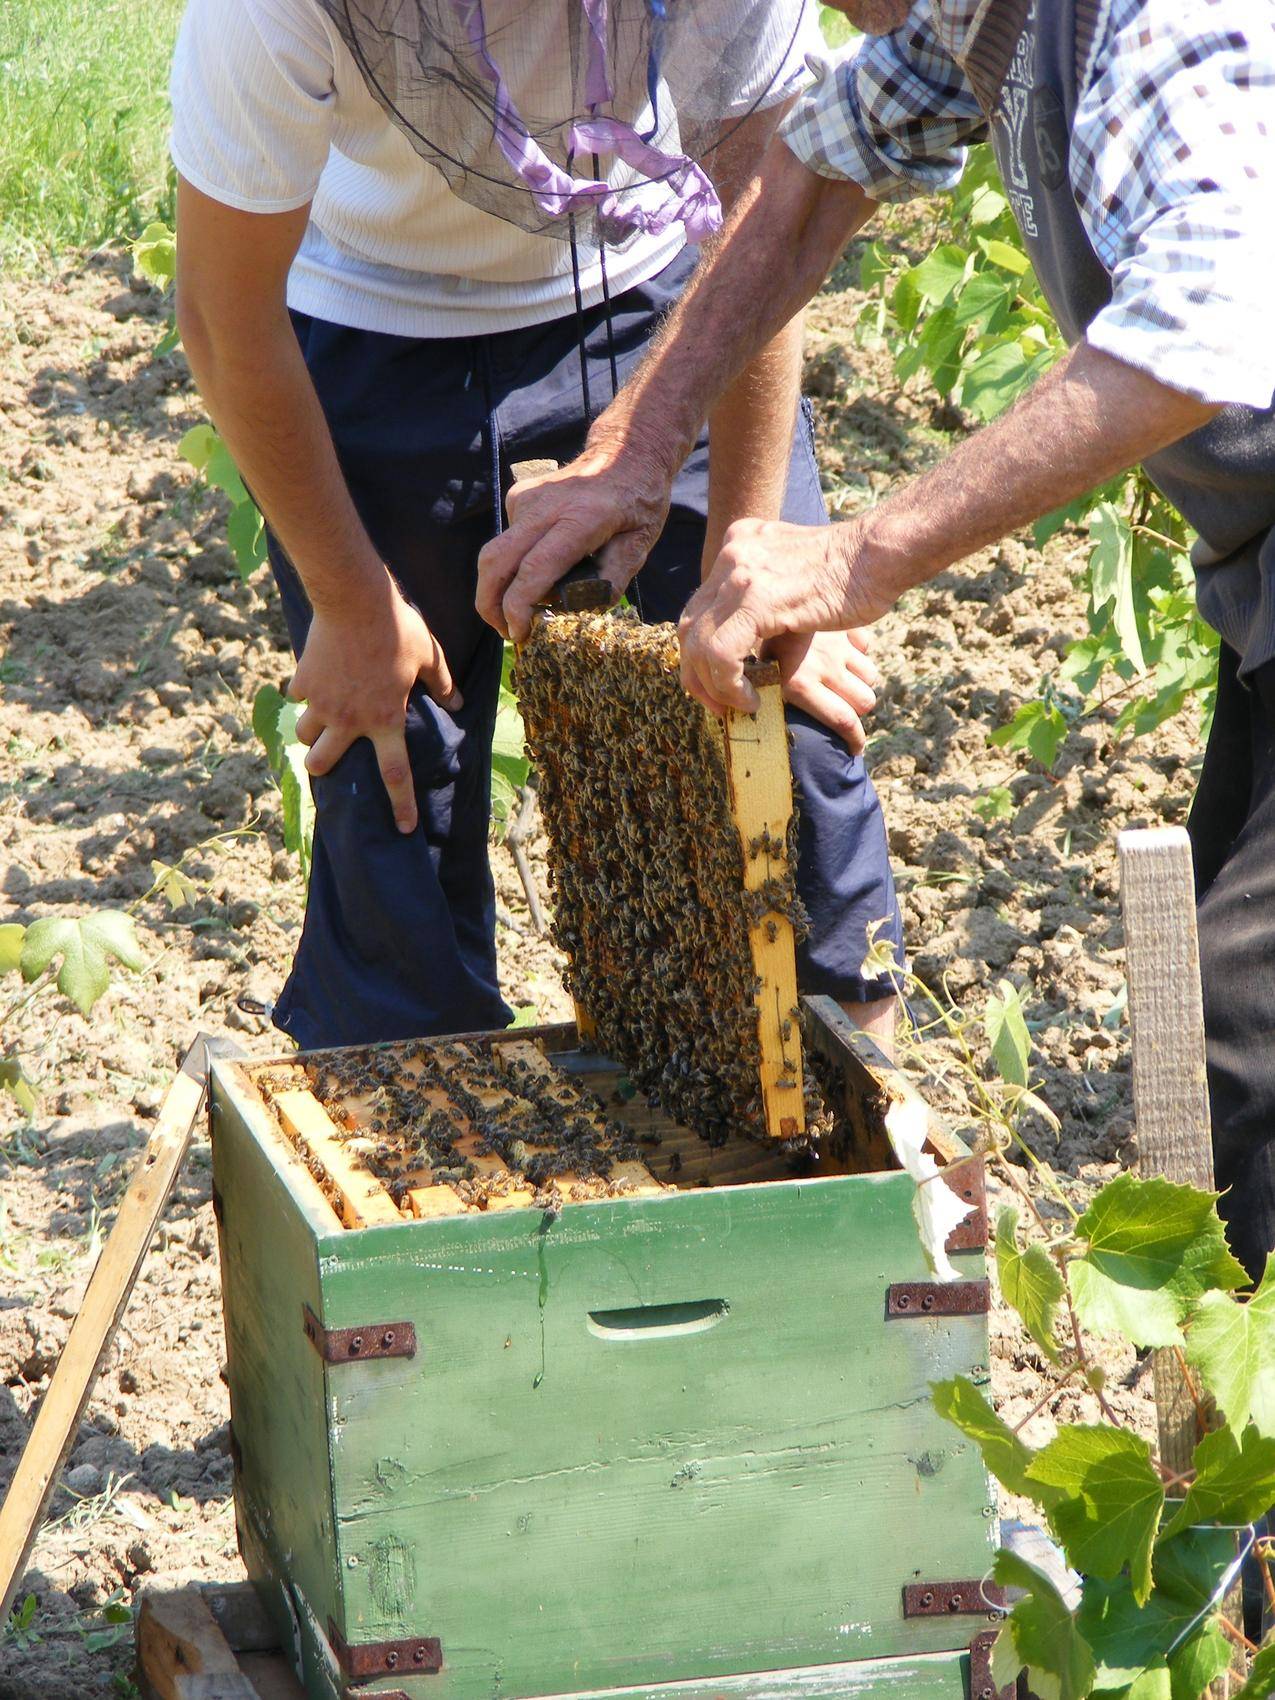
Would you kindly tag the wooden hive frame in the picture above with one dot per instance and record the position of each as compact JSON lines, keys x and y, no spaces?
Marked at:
{"x":759,"y":794}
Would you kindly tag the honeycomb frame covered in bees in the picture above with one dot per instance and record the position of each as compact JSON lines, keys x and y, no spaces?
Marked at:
{"x":671,"y":865}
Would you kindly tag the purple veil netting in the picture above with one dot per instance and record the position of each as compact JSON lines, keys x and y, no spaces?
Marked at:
{"x":503,"y":96}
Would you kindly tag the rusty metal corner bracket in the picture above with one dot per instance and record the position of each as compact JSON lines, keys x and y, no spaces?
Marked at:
{"x":972,"y":1597}
{"x":907,"y":1299}
{"x":349,"y":1345}
{"x":967,"y":1178}
{"x":422,"y":1655}
{"x":982,"y":1684}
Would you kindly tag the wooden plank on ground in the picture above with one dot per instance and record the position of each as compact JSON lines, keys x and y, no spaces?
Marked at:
{"x":759,"y":778}
{"x":181,"y":1652}
{"x":94,"y":1327}
{"x":362,"y":1202}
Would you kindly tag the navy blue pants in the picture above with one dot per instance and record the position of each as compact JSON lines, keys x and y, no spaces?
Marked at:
{"x":399,"y":936}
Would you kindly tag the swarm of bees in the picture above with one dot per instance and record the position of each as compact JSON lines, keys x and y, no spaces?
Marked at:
{"x":436,"y":1113}
{"x":647,"y":865}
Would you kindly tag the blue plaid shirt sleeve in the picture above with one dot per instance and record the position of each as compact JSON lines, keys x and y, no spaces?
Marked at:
{"x":1173,"y":165}
{"x":894,"y":114}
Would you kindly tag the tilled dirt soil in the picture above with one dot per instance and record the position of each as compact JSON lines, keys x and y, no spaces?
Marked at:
{"x":131,"y":653}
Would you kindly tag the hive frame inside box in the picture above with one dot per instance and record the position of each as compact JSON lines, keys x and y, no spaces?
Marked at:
{"x":644,"y":1446}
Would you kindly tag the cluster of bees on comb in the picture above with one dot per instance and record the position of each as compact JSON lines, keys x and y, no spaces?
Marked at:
{"x":486,"y":1122}
{"x":647,"y":865}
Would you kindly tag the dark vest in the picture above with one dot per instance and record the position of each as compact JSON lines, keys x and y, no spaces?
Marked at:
{"x":1027,"y":63}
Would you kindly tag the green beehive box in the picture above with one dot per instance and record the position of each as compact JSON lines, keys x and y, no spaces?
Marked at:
{"x":680,"y":1438}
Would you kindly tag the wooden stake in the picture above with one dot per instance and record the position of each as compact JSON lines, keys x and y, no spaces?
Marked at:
{"x":1170,"y":1090}
{"x":760,"y":782}
{"x":113,"y":1278}
{"x":362,"y":1201}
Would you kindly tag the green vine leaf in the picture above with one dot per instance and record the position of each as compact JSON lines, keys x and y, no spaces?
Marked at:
{"x":1007,"y":1033}
{"x":1155,"y":1683}
{"x":1041,"y":1635}
{"x":1234,"y":1481}
{"x":1036,"y":728}
{"x":1007,"y":1457}
{"x":1154,"y":1250}
{"x":1111,"y":576}
{"x":1110,"y":1500}
{"x":1233,"y":1347}
{"x":1127,"y":1638}
{"x":1199,"y":1662}
{"x":12,"y":934}
{"x":175,"y":886}
{"x":85,"y":944}
{"x":1030,"y":1281}
{"x":15,"y":1080}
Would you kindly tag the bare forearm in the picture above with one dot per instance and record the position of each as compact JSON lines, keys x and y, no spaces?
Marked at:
{"x":1086,"y":420}
{"x":750,"y":438}
{"x":261,"y":398}
{"x":1090,"y":418}
{"x":784,"y":234}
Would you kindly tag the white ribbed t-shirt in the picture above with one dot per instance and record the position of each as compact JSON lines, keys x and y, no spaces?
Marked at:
{"x":270,"y":112}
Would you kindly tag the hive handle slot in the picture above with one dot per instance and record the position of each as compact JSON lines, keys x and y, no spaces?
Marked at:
{"x":658,"y":1322}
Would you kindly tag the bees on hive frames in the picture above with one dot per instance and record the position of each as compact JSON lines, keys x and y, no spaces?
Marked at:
{"x":648,"y":867}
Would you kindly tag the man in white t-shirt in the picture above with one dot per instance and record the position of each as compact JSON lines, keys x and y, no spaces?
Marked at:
{"x":420,"y":242}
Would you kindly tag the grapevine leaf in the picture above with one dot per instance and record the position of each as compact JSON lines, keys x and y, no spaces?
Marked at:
{"x":222,"y":473}
{"x":1041,"y":1635}
{"x":298,"y":806}
{"x":1035,"y":728}
{"x":995,"y":804}
{"x":993,"y":378}
{"x":85,"y":943}
{"x":197,"y":445}
{"x":1233,"y":1347}
{"x":246,"y":535}
{"x":1199,"y":1662}
{"x":15,"y":1080}
{"x":1007,"y":1033}
{"x":504,"y":787}
{"x":875,"y":267}
{"x":1002,"y":254}
{"x":1111,"y":1500}
{"x":1154,"y":1249}
{"x":1008,"y":1458}
{"x":1030,"y":1280}
{"x":1111,"y":576}
{"x":155,"y":254}
{"x":1234,"y":1480}
{"x":1125,"y":1637}
{"x":942,"y":271}
{"x":1154,"y":1683}
{"x":177,"y":889}
{"x":1261,"y":1676}
{"x":12,"y":934}
{"x":982,"y":302}
{"x":507,"y":739}
{"x":267,"y":706}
